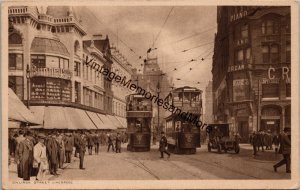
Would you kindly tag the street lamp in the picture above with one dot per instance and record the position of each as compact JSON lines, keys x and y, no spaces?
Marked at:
{"x":28,"y":83}
{"x":158,"y":91}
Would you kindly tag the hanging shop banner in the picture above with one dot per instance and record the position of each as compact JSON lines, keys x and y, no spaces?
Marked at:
{"x":240,"y":89}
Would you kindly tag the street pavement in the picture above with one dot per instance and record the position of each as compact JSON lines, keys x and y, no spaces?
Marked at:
{"x":148,"y":166}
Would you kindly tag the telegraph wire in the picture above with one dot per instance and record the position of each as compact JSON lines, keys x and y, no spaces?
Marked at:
{"x":162,"y":26}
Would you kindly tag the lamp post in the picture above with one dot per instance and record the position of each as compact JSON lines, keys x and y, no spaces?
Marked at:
{"x":28,"y":83}
{"x":158,"y":91}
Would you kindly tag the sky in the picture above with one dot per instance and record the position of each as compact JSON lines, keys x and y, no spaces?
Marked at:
{"x":180,"y":40}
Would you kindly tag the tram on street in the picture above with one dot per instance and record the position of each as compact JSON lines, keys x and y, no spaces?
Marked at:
{"x":183,"y":135}
{"x":139,"y":116}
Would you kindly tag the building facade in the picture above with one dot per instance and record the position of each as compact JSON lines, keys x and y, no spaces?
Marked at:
{"x":208,"y":115}
{"x":52,"y":66}
{"x":251,"y":69}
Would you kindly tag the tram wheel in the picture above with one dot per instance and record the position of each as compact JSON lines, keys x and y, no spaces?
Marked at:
{"x":219,"y":148}
{"x":237,"y":149}
{"x":208,"y":147}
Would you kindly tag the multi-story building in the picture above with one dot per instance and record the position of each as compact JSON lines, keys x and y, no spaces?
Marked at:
{"x":251,"y":68}
{"x":52,"y":67}
{"x":208,"y":115}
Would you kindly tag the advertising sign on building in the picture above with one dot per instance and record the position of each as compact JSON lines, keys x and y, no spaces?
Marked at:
{"x":240,"y":89}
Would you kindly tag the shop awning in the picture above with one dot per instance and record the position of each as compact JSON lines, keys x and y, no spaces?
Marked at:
{"x":54,"y":118}
{"x":39,"y":112}
{"x":115,"y":121}
{"x":79,"y":119}
{"x":96,"y":120}
{"x":123,"y":121}
{"x":107,"y":122}
{"x":17,"y":111}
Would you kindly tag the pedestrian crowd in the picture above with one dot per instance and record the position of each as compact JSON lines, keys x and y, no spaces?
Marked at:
{"x":282,"y":143}
{"x":37,"y":153}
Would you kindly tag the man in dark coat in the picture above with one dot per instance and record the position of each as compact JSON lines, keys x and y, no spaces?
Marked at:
{"x":69,"y":143}
{"x":118,"y":143}
{"x":76,"y":140}
{"x":90,"y":142}
{"x":254,"y":142}
{"x":25,"y":157}
{"x":285,"y":150}
{"x":53,"y":154}
{"x":97,"y":142}
{"x":110,"y":142}
{"x":81,"y":149}
{"x":276,"y":142}
{"x":162,"y":146}
{"x":19,"y":139}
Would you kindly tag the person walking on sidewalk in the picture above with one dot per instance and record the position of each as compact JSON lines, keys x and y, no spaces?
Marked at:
{"x":162,"y":146}
{"x":254,"y":142}
{"x":90,"y":141}
{"x":61,"y":148}
{"x":25,"y":157}
{"x":81,"y":147}
{"x":69,"y":143}
{"x":19,"y":139}
{"x":118,"y":143}
{"x":52,"y":148}
{"x":97,"y":142}
{"x":285,"y":150}
{"x":110,"y":143}
{"x":40,"y":162}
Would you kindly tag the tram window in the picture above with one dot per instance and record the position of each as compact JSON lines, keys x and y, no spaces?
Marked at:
{"x":180,"y":96}
{"x":186,"y":97}
{"x":130,"y":106}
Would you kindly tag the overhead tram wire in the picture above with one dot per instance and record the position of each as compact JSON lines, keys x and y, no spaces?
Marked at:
{"x":158,"y":34}
{"x":187,"y":37}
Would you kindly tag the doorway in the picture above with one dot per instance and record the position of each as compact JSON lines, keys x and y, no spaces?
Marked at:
{"x":243,"y":130}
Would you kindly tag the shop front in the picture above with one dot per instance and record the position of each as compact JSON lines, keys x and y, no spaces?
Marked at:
{"x":270,"y":119}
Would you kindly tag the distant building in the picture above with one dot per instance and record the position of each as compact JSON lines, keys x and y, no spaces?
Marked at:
{"x":251,"y":68}
{"x":208,"y":116}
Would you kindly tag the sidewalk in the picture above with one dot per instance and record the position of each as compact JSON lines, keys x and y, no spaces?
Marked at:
{"x":13,"y":175}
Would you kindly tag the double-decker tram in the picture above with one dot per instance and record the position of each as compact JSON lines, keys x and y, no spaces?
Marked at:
{"x":182,"y":132}
{"x":139,"y":116}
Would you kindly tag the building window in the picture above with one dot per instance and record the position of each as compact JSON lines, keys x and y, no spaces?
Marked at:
{"x":76,"y":48}
{"x":16,"y":84}
{"x":77,"y":92}
{"x":15,"y":61}
{"x":77,"y":68}
{"x":265,"y":54}
{"x":274,"y":54}
{"x":38,"y":61}
{"x":288,"y":52}
{"x":15,"y":39}
{"x":270,"y":27}
{"x":270,"y":91}
{"x":243,"y":56}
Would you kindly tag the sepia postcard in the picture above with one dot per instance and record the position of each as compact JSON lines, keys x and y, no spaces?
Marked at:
{"x":150,"y":94}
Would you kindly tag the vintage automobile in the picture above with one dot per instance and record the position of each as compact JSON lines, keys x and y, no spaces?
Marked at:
{"x":220,"y":139}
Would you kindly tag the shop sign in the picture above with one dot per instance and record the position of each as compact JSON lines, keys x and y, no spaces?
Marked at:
{"x":270,"y":81}
{"x":240,"y":89}
{"x":51,"y":72}
{"x":270,"y":122}
{"x":239,"y":15}
{"x":285,"y":72}
{"x":233,"y":68}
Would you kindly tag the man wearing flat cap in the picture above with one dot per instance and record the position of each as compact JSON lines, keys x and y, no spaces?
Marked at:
{"x":40,"y":161}
{"x":285,"y":150}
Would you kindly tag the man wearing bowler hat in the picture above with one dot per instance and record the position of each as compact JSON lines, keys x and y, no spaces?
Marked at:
{"x":162,"y":145}
{"x":285,"y":150}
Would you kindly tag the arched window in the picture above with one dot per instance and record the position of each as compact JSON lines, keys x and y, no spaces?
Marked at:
{"x":15,"y":39}
{"x":76,"y":47}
